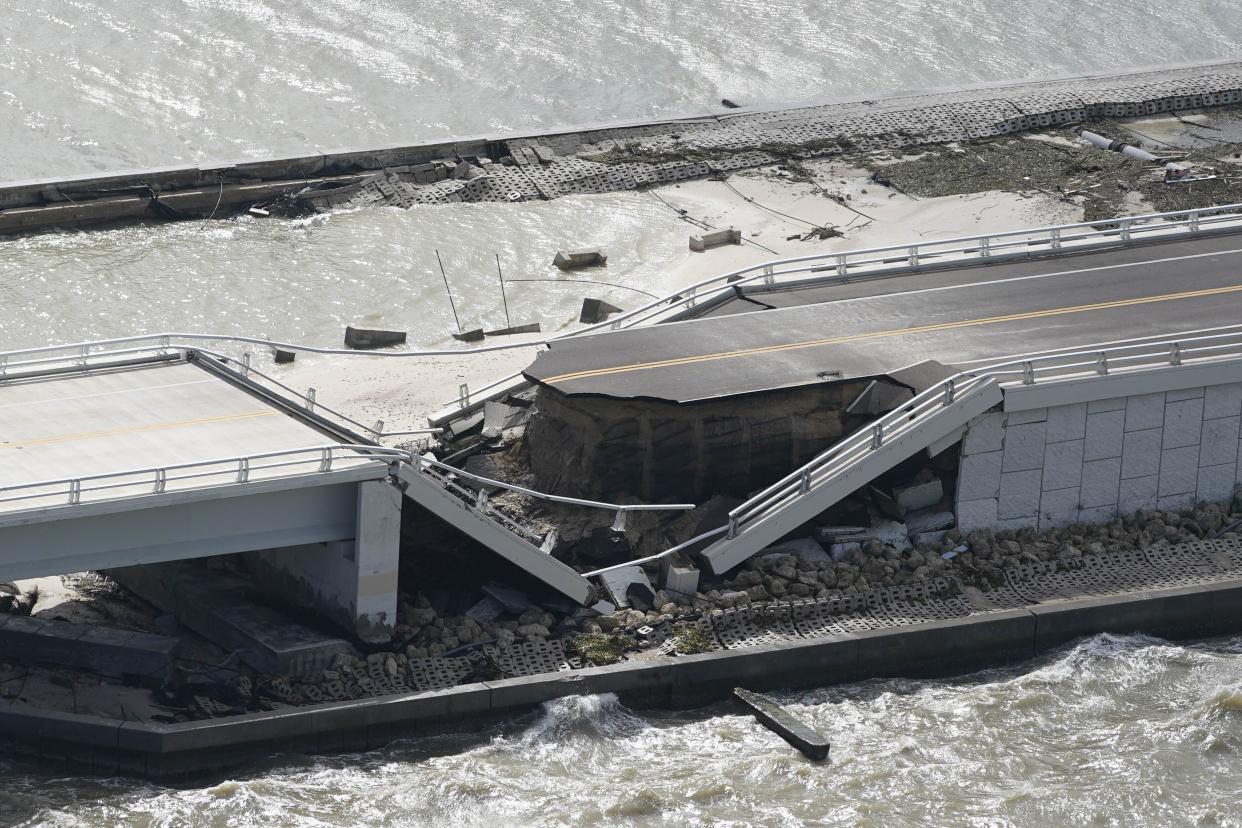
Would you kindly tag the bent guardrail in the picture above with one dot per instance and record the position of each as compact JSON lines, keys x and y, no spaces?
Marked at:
{"x":1064,"y":365}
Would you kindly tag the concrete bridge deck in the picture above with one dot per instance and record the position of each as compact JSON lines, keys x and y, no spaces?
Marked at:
{"x":870,"y":328}
{"x":158,"y":415}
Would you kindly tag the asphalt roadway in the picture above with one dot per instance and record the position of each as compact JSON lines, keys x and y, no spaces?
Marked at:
{"x":871,"y":328}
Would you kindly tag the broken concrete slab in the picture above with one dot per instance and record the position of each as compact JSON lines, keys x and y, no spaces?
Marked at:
{"x":283,"y":357}
{"x":596,"y":310}
{"x":364,"y":339}
{"x":716,"y":238}
{"x":514,"y":601}
{"x":574,"y":259}
{"x":929,"y":520}
{"x":618,"y":581}
{"x":475,"y":335}
{"x":918,"y":496}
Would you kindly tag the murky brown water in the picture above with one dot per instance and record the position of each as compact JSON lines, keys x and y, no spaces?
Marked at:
{"x":1112,"y":731}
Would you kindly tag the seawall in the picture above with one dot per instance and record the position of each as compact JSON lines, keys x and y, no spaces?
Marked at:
{"x":614,"y":156}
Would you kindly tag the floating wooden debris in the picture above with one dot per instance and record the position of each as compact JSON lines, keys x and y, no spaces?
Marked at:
{"x":781,"y":722}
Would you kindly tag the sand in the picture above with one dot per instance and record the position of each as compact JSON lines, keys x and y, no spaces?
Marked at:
{"x":767,"y":205}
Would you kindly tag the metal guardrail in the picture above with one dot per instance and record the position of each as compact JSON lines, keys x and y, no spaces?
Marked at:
{"x":841,"y":266}
{"x":1032,"y":370}
{"x":70,"y":491}
{"x":876,"y":261}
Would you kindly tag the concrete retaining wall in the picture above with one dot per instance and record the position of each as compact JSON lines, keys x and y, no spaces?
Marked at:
{"x":921,"y":650}
{"x":1091,"y":460}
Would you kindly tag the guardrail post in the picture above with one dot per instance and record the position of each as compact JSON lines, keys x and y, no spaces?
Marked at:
{"x":310,"y":399}
{"x":732,"y":532}
{"x":1175,"y":354}
{"x":618,"y":523}
{"x":83,"y":354}
{"x":768,"y":278}
{"x":243,"y":470}
{"x":463,"y":395}
{"x":245,"y":363}
{"x":161,"y":480}
{"x":1054,"y":239}
{"x":325,"y":459}
{"x":164,"y":343}
{"x":985,"y":247}
{"x":804,"y":483}
{"x":480,"y":500}
{"x":75,"y":491}
{"x":914,"y":255}
{"x":1194,"y":221}
{"x":1028,"y":373}
{"x":4,"y":366}
{"x":378,"y":428}
{"x":549,"y":542}
{"x":843,"y":265}
{"x":950,"y":388}
{"x":1126,"y":224}
{"x":877,"y":435}
{"x":1101,"y":363}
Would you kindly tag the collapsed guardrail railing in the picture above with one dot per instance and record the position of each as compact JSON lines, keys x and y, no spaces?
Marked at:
{"x":1025,"y":371}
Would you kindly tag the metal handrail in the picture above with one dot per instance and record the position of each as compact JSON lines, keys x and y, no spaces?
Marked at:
{"x":1028,"y":370}
{"x":842,"y":263}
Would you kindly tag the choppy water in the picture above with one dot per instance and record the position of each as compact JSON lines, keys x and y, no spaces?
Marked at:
{"x":1113,"y":731}
{"x":89,"y":85}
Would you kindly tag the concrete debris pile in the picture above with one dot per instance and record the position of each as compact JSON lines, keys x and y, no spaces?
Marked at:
{"x":778,"y":593}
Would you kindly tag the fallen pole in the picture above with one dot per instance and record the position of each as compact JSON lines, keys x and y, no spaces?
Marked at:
{"x":781,"y":722}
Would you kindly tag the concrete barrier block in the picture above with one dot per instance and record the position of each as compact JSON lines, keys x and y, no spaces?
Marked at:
{"x":946,"y":647}
{"x":716,"y":238}
{"x":1145,"y":411}
{"x":1101,"y":481}
{"x":35,"y":724}
{"x":1179,"y":471}
{"x":365,"y":339}
{"x":1183,"y":423}
{"x":1062,"y":465}
{"x":1104,"y":433}
{"x":1024,"y":447}
{"x":574,"y":259}
{"x":1019,"y":494}
{"x":1140,"y":455}
{"x":1220,"y":441}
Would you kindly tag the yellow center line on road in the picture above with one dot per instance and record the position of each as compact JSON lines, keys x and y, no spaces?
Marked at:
{"x":114,"y":432}
{"x":860,"y":337}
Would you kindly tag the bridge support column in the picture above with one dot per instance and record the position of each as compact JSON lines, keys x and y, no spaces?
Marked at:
{"x":353,"y":582}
